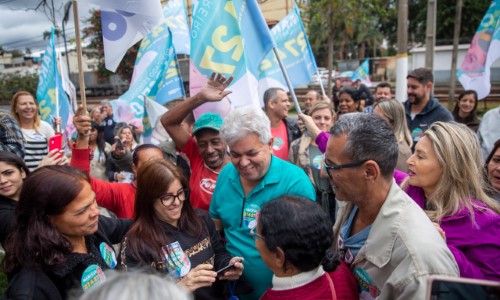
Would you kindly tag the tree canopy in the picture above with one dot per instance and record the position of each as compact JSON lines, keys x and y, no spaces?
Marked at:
{"x":360,"y":27}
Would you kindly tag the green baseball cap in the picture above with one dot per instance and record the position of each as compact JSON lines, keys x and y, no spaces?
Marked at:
{"x":208,"y":120}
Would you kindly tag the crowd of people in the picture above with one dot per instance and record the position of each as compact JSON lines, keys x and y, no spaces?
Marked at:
{"x":359,"y":197}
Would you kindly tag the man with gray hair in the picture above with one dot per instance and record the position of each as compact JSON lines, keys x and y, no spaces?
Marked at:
{"x":253,"y":177}
{"x":387,"y":240}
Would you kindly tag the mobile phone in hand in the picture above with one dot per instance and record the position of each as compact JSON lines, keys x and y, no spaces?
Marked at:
{"x":119,"y":143}
{"x":55,"y":142}
{"x":226,"y":268}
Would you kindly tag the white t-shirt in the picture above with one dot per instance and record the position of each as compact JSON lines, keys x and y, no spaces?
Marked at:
{"x":36,"y":144}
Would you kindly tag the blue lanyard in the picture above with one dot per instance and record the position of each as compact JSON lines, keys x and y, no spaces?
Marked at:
{"x":232,"y":285}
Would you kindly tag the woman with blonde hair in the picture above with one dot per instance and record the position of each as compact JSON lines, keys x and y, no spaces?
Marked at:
{"x":394,"y":113}
{"x":36,"y":132}
{"x":446,"y":180}
{"x":305,"y":153}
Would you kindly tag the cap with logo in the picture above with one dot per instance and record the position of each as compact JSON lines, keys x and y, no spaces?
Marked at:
{"x":208,"y":120}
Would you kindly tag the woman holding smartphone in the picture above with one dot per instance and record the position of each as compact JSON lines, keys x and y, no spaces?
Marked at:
{"x":36,"y":132}
{"x":446,"y":180}
{"x":171,"y":237}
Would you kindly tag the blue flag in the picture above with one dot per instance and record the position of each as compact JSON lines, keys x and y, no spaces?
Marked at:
{"x":49,"y":83}
{"x":295,"y":52}
{"x":362,"y":72}
{"x":176,"y":18}
{"x":229,"y":37}
{"x":152,"y":62}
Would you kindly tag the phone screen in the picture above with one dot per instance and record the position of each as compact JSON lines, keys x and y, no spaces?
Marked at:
{"x":450,"y":289}
{"x":55,"y":142}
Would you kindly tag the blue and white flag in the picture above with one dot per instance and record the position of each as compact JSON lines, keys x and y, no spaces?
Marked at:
{"x":295,"y":52}
{"x":474,"y":73}
{"x":124,"y":23}
{"x":177,"y":21}
{"x":232,"y":38}
{"x":153,"y":62}
{"x":363,"y":73}
{"x":52,"y":99}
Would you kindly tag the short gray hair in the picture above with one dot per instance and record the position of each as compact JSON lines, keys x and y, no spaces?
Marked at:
{"x":243,"y":121}
{"x":136,"y":285}
{"x":369,"y":137}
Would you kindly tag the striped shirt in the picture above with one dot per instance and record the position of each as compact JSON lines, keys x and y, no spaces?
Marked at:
{"x":36,"y":144}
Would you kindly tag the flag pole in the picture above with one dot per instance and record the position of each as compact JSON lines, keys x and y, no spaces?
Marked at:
{"x":285,"y":74}
{"x":320,"y":83}
{"x":79,"y":55}
{"x":58,"y":127}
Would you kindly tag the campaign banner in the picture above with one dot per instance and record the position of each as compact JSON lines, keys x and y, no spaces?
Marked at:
{"x":484,"y":50}
{"x":295,"y":52}
{"x":232,"y":38}
{"x":168,"y":85}
{"x":52,"y":100}
{"x":124,"y":23}
{"x":152,"y":64}
{"x":176,"y":16}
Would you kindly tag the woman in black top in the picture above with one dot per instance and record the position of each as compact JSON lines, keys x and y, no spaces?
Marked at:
{"x":13,"y":171}
{"x":465,"y":110}
{"x":168,"y":235}
{"x":59,"y":243}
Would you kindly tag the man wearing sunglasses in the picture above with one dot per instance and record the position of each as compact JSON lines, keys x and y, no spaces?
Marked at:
{"x":387,"y":240}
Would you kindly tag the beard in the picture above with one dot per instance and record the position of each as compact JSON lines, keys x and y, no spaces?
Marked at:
{"x":415,"y":99}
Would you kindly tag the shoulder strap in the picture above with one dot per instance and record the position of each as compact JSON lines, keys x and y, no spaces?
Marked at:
{"x":332,"y":288}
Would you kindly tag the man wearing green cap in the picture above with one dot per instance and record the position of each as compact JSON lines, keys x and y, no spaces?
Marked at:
{"x":206,"y":151}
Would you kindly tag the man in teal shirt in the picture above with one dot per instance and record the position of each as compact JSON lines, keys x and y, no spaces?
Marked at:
{"x":254,"y":177}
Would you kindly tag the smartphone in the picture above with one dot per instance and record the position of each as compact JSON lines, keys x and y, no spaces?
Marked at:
{"x":55,"y":142}
{"x":228,"y":267}
{"x":446,"y":288}
{"x":119,"y":143}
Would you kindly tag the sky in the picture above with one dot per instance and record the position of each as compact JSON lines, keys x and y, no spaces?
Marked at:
{"x":22,"y":27}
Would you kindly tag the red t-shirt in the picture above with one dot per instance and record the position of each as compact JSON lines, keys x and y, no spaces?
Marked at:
{"x":280,"y":144}
{"x":202,"y":181}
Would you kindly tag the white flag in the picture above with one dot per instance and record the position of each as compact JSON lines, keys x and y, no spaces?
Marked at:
{"x":124,"y":23}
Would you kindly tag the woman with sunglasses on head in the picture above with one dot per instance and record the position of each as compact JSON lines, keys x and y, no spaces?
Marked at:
{"x":171,"y":237}
{"x":446,"y":180}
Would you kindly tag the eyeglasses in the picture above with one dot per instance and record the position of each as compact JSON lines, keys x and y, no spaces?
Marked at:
{"x":168,"y":199}
{"x":339,"y":167}
{"x":256,"y":235}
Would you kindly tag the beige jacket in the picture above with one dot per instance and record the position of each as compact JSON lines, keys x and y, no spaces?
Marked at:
{"x":402,"y":249}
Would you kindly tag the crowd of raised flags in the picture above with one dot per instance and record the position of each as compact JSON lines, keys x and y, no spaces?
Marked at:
{"x":229,"y":37}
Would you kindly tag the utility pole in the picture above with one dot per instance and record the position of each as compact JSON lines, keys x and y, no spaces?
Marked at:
{"x":430,"y":38}
{"x":402,"y":57}
{"x":456,"y":39}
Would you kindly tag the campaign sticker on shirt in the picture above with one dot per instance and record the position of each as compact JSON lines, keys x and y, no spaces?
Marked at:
{"x":278,"y":143}
{"x":110,"y":122}
{"x":178,"y":263}
{"x":92,"y":276}
{"x":368,"y":289}
{"x":108,"y":254}
{"x":318,"y":162}
{"x":250,"y":215}
{"x":416,"y":134}
{"x":207,"y":185}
